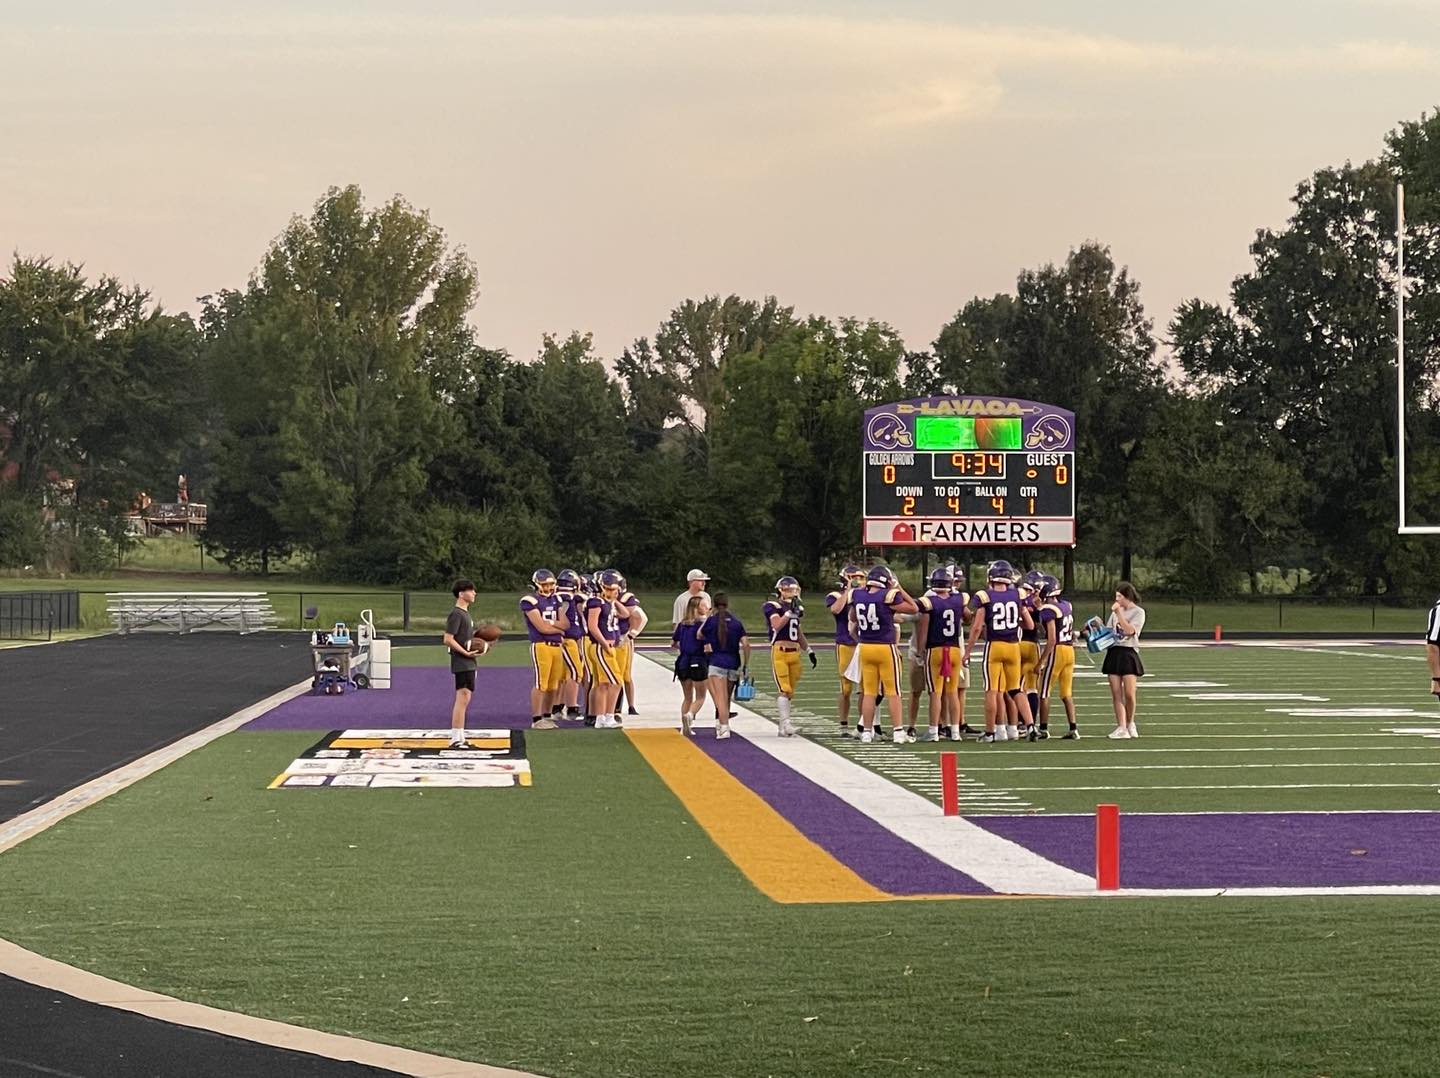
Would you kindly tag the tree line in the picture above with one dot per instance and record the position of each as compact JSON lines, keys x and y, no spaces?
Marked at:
{"x":341,"y":407}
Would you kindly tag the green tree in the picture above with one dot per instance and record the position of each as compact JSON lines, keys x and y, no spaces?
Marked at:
{"x":784,"y":443}
{"x":100,"y":393}
{"x":1307,"y":349}
{"x":1222,"y":498}
{"x":1074,"y":335}
{"x":696,"y":342}
{"x":354,"y":327}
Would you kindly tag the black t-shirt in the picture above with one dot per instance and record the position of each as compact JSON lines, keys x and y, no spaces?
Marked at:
{"x":459,"y":626}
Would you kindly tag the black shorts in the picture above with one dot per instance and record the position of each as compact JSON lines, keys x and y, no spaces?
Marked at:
{"x":1123,"y":661}
{"x":465,"y":679}
{"x":692,"y":668}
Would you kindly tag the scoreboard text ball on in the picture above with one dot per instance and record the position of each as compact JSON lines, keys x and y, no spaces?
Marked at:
{"x":969,"y":471}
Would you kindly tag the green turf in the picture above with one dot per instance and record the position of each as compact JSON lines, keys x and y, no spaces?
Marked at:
{"x":1193,"y":755}
{"x":587,"y":927}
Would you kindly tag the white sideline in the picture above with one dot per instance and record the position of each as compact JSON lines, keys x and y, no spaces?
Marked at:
{"x":17,"y":962}
{"x":38,"y":819}
{"x":998,"y":863}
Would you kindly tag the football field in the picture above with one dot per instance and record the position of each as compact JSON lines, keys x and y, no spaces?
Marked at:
{"x":592,"y":925}
{"x":1237,"y":728}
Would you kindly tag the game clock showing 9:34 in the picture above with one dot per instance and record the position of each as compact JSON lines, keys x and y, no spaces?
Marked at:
{"x":969,"y":471}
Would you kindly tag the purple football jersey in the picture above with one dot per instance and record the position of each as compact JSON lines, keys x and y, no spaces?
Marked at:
{"x":575,"y":611}
{"x":549,"y":608}
{"x":789,"y":631}
{"x":1062,"y":614}
{"x":874,"y":616}
{"x":843,"y":636}
{"x":1000,"y":607}
{"x":609,"y":622}
{"x":947,"y":617}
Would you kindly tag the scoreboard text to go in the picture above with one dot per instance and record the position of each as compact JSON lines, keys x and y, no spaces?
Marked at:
{"x":973,"y":483}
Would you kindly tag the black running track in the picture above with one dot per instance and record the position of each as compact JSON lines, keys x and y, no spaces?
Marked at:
{"x":70,"y":713}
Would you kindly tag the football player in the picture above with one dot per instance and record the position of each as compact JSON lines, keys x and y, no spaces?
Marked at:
{"x":602,"y":623}
{"x":1000,"y":612}
{"x":545,"y":622}
{"x":872,"y":612}
{"x":787,"y":640}
{"x":1030,"y":640}
{"x":941,"y":626}
{"x":1057,"y":619}
{"x":573,"y":599}
{"x":632,"y":621}
{"x":852,"y":577}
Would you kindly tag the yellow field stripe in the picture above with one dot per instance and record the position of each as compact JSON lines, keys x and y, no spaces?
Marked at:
{"x":780,"y":861}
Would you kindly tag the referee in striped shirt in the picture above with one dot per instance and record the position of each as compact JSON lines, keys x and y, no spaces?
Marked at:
{"x":1432,"y":647}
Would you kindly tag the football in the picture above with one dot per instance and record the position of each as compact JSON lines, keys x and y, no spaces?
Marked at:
{"x":488,"y":633}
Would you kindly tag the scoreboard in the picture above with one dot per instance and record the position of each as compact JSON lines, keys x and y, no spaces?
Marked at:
{"x":969,"y":471}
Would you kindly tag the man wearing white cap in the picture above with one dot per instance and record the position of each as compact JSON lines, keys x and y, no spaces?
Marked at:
{"x":696,"y":579}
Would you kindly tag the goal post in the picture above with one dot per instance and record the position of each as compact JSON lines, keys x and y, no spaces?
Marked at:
{"x":1405,"y":528}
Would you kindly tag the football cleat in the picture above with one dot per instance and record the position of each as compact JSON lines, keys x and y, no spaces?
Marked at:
{"x":544,"y":581}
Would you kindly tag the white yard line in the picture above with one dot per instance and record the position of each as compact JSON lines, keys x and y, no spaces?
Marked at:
{"x":998,"y":863}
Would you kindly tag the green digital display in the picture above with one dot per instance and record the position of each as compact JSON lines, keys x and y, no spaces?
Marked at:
{"x":947,"y":433}
{"x":998,"y":432}
{"x":944,"y":432}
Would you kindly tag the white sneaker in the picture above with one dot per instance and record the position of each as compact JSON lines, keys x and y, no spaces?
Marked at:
{"x":1134,"y":730}
{"x":1001,"y":734}
{"x":898,"y":736}
{"x":931,"y":734}
{"x":685,"y":725}
{"x":722,"y":731}
{"x":1014,"y":732}
{"x":867,"y":735}
{"x":1118,"y":734}
{"x":606,"y":722}
{"x":787,"y":728}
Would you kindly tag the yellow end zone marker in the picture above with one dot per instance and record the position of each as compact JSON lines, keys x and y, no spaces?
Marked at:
{"x":780,"y":861}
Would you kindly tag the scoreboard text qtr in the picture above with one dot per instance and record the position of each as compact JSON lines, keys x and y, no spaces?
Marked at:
{"x":969,"y":471}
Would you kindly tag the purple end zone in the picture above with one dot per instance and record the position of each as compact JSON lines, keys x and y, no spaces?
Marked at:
{"x":1281,"y":849}
{"x":419,"y":698}
{"x":873,"y":853}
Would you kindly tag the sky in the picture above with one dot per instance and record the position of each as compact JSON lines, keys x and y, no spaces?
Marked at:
{"x":600,"y":163}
